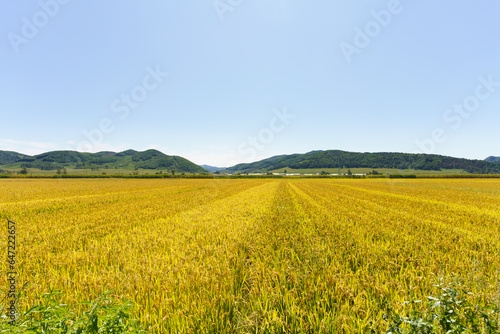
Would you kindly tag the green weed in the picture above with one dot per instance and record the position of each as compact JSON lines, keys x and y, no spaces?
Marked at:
{"x":451,"y":312}
{"x":104,"y":315}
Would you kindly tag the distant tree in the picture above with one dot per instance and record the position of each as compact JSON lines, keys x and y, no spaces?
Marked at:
{"x":323,"y":173}
{"x":23,"y":171}
{"x":59,"y":171}
{"x":173,"y":171}
{"x":349,"y":172}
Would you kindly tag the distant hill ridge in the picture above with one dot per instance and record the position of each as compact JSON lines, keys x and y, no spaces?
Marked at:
{"x":493,"y":159}
{"x":7,"y":157}
{"x":130,"y":159}
{"x":156,"y":160}
{"x":212,"y":169}
{"x":343,"y":159}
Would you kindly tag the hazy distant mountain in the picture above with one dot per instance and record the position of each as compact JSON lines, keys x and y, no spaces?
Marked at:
{"x":130,"y":159}
{"x":212,"y":169}
{"x":493,"y":159}
{"x":342,"y":159}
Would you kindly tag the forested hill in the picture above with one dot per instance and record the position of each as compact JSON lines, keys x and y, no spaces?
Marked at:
{"x":493,"y":159}
{"x":150,"y":159}
{"x":342,"y":159}
{"x":7,"y":157}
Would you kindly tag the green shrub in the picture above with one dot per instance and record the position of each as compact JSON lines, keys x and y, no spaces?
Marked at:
{"x":402,"y":176}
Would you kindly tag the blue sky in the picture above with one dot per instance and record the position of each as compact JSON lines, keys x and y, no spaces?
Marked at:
{"x":228,"y":81}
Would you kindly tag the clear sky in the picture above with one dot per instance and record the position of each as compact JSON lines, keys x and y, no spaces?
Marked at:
{"x":227,"y":81}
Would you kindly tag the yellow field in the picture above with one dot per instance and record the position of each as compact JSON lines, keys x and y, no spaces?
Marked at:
{"x":248,"y":256}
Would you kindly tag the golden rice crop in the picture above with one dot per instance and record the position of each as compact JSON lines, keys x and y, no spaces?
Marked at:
{"x":260,"y":255}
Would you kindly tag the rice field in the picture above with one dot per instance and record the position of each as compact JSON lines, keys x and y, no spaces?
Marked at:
{"x":255,"y":255}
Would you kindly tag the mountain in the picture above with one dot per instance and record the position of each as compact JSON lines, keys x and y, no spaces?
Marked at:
{"x":7,"y":157}
{"x":153,"y":159}
{"x":493,"y":159}
{"x":130,"y":159}
{"x":156,"y":160}
{"x":342,"y":159}
{"x":212,"y":169}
